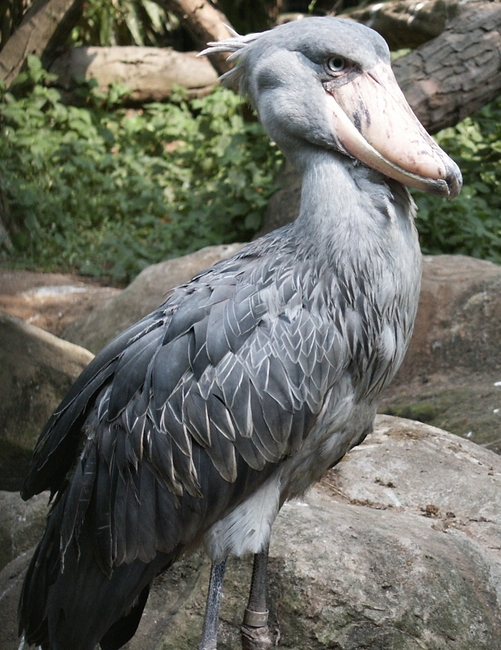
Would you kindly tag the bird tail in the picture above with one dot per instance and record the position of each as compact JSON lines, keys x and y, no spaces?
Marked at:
{"x":41,"y":573}
{"x":125,"y":628}
{"x":75,"y":605}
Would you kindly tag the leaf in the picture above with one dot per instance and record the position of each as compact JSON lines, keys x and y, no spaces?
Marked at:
{"x":33,"y":62}
{"x":155,"y":14}
{"x":132,"y":22}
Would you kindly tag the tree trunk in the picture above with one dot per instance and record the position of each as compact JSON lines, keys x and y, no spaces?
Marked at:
{"x":457,"y":73}
{"x":205,"y":22}
{"x":149,"y":72}
{"x":406,"y":23}
{"x":45,"y":25}
{"x":5,"y":221}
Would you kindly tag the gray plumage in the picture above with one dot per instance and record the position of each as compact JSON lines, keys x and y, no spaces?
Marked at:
{"x":247,"y":383}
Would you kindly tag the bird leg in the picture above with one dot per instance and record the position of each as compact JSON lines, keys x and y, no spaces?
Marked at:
{"x":254,"y":631}
{"x":211,"y":618}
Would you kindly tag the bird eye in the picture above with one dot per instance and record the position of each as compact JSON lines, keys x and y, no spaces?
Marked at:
{"x":336,"y":63}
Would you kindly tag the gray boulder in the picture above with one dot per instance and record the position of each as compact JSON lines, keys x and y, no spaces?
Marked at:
{"x":36,"y":371}
{"x":143,"y":295}
{"x":21,"y":524}
{"x":449,"y":377}
{"x":458,"y":325}
{"x":11,"y":580}
{"x":398,"y":548}
{"x":50,"y":300}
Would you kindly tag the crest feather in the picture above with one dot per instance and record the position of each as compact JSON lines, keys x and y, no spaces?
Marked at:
{"x":236,"y":45}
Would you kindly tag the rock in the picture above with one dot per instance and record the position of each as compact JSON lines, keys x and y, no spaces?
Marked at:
{"x":11,"y":580}
{"x":398,"y":548}
{"x":50,"y":300}
{"x":458,"y":326}
{"x":386,"y":553}
{"x":21,"y":524}
{"x":36,"y":371}
{"x":143,"y":295}
{"x":449,"y":375}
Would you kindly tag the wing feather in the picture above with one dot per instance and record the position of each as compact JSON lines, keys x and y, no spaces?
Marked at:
{"x":216,"y":336}
{"x":102,"y":513}
{"x":131,"y":370}
{"x":147,"y":546}
{"x":192,"y":411}
{"x":170,"y":363}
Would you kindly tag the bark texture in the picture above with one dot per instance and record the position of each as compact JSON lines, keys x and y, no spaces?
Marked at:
{"x":406,"y":23}
{"x":45,"y":25}
{"x":457,"y":73}
{"x":149,"y":72}
{"x":205,"y":22}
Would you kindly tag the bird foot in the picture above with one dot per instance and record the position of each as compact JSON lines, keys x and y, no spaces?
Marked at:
{"x":256,"y":638}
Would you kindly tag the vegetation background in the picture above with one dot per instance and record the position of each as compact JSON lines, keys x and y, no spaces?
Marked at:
{"x":102,"y":188}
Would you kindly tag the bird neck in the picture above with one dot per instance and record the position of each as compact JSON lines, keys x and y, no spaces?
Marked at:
{"x":349,"y":212}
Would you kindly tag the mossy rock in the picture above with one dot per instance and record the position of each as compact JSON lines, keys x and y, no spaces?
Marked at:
{"x":471,"y":408}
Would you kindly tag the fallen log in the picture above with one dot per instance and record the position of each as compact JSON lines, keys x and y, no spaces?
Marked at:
{"x":150,"y":73}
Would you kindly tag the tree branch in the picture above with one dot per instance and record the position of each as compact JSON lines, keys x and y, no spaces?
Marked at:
{"x":205,"y":23}
{"x":45,"y":23}
{"x":406,"y":23}
{"x":457,"y":73}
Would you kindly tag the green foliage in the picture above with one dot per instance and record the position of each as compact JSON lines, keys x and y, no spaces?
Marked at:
{"x":471,"y":223}
{"x":126,"y":22}
{"x":107,"y":193}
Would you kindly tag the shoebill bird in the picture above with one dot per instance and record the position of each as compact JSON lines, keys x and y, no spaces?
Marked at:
{"x":195,"y":425}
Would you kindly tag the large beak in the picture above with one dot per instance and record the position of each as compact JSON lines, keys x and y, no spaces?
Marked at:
{"x":375,"y":124}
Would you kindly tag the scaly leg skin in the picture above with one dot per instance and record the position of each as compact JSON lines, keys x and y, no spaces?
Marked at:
{"x":254,"y":631}
{"x":211,"y":619}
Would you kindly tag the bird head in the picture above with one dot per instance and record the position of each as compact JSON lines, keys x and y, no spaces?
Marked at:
{"x":328,"y":83}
